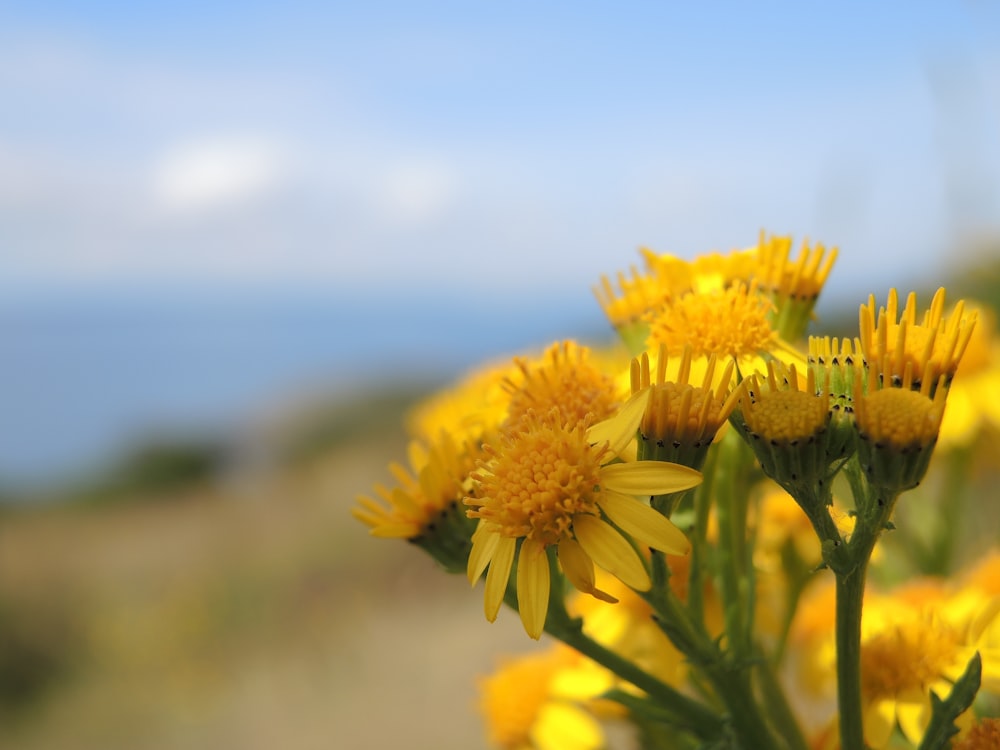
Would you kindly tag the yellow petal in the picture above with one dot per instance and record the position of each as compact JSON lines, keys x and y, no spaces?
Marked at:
{"x":915,"y":715}
{"x":533,"y":586}
{"x":498,"y":575}
{"x":643,"y":523}
{"x":621,"y":428}
{"x":611,"y":551}
{"x":579,"y":569}
{"x":562,"y":726}
{"x":484,"y":544}
{"x":648,"y":478}
{"x":879,"y":720}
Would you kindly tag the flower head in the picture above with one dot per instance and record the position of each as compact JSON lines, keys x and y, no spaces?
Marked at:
{"x":794,"y":286}
{"x":897,"y":429}
{"x":684,"y":411}
{"x":787,"y":425}
{"x":728,"y":322}
{"x":526,"y":705}
{"x":567,"y":379}
{"x":895,"y":343}
{"x":545,"y":485}
{"x":424,"y":505}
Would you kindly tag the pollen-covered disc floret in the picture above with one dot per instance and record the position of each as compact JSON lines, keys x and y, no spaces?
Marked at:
{"x":897,"y":430}
{"x":931,"y":348}
{"x":729,"y":322}
{"x":546,"y":485}
{"x":567,"y":379}
{"x":777,"y":410}
{"x":786,"y":422}
{"x":538,"y":480}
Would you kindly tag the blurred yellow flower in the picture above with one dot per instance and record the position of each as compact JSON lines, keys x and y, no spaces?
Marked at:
{"x":540,"y":701}
{"x":566,"y":378}
{"x":972,"y":402}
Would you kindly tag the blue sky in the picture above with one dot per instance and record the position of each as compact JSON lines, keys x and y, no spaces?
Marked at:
{"x":486,"y":146}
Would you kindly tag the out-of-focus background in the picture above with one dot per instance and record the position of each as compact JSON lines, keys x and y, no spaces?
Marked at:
{"x":237,"y":240}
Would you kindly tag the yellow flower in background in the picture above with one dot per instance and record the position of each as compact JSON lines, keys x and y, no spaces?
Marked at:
{"x":628,"y":629}
{"x":915,"y":639}
{"x":468,"y":410}
{"x":546,"y":485}
{"x":972,"y":402}
{"x":566,"y":378}
{"x":898,"y":347}
{"x":541,"y":701}
{"x":793,"y":285}
{"x":435,"y":484}
{"x":728,"y":322}
{"x":984,"y":735}
{"x":705,"y":273}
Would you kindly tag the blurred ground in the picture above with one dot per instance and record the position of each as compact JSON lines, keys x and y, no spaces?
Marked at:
{"x":252,"y":614}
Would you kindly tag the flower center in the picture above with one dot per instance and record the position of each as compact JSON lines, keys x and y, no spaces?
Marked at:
{"x":565,"y":380}
{"x":907,"y":657}
{"x":729,"y":322}
{"x":538,"y":479}
{"x":786,"y":416}
{"x":899,"y":418}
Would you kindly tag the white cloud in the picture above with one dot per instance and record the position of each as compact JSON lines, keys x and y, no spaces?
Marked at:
{"x":204,"y":176}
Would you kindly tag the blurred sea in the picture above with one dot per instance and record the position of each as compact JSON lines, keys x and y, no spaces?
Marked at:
{"x":85,"y":375}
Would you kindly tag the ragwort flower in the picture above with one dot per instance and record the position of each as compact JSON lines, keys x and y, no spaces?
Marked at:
{"x":545,"y":485}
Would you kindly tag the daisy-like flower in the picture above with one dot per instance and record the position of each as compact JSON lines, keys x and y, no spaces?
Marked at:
{"x":546,"y":485}
{"x":729,"y":322}
{"x":893,"y":341}
{"x":566,"y":378}
{"x":914,"y":640}
{"x":468,"y":410}
{"x":423,"y":507}
{"x":984,"y":735}
{"x":627,"y":305}
{"x":542,"y":701}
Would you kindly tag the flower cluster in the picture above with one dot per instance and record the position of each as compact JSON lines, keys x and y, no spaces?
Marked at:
{"x":701,"y":524}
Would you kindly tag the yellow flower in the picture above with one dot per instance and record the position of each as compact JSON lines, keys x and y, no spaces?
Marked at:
{"x":728,"y":322}
{"x":567,"y":379}
{"x":914,"y":640}
{"x":898,"y":347}
{"x":972,"y":402}
{"x":434,"y":484}
{"x":539,"y":701}
{"x":627,"y":627}
{"x":424,"y":507}
{"x":985,"y":735}
{"x":546,"y":485}
{"x":468,"y":410}
{"x":794,"y":286}
{"x":689,"y":402}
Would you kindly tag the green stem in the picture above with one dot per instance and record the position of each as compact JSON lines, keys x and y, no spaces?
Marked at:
{"x":690,"y":714}
{"x":850,"y":596}
{"x":733,"y":574}
{"x":696,"y":717}
{"x":730,"y":682}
